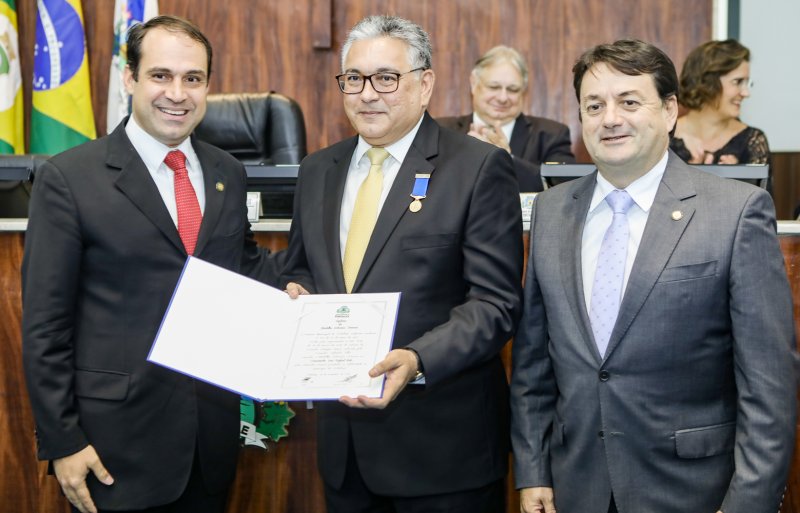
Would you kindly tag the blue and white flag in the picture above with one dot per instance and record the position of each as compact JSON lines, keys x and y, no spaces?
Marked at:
{"x":126,"y":14}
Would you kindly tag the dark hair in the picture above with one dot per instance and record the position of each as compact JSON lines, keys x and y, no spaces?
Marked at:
{"x":167,"y":22}
{"x":631,"y":57}
{"x":700,"y":76}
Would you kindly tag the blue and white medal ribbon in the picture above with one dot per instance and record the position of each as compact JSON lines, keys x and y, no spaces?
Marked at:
{"x":419,"y":192}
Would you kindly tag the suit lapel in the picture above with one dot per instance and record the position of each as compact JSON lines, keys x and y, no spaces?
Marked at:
{"x":212,"y":175}
{"x":335,"y":178}
{"x":136,"y":183}
{"x":570,"y":256}
{"x":519,"y":136}
{"x":424,"y":147}
{"x":660,"y":237}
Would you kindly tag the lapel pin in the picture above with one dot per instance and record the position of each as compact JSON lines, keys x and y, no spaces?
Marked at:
{"x":221,"y":187}
{"x":677,"y":215}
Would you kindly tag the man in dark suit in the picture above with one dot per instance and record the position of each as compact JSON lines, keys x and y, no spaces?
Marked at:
{"x":444,"y":229}
{"x":111,"y":225}
{"x":654,"y":368}
{"x":499,"y":83}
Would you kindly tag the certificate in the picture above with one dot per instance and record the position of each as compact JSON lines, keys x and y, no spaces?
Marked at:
{"x":239,"y":334}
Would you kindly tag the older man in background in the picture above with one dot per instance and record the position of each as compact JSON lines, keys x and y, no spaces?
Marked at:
{"x":499,"y":85}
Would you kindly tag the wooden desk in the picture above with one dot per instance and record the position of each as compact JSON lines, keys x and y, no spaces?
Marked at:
{"x":283,"y":480}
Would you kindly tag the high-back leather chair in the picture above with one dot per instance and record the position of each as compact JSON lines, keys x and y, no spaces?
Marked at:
{"x":255,"y":128}
{"x":16,"y":172}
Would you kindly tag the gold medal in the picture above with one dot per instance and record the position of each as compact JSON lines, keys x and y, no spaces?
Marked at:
{"x":415,"y":206}
{"x":220,"y":186}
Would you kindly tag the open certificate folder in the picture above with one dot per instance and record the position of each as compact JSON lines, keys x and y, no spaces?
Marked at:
{"x":239,"y":334}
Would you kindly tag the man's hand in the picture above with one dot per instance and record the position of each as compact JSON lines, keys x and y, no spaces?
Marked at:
{"x":295,"y":290}
{"x":71,"y":472}
{"x":490,"y":134}
{"x":400,"y":365}
{"x":536,"y":500}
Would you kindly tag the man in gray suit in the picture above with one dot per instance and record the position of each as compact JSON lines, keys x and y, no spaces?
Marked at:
{"x":659,"y":375}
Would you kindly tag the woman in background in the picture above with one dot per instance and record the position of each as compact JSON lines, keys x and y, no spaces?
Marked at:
{"x":714,"y":82}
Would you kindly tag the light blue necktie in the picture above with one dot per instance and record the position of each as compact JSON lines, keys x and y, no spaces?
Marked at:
{"x":610,"y":274}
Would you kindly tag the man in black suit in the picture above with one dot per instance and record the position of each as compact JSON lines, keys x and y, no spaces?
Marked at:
{"x":110,"y":228}
{"x":498,"y":83}
{"x":444,"y":229}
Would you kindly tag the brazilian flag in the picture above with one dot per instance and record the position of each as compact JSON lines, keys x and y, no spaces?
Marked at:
{"x":12,"y":135}
{"x":62,"y":114}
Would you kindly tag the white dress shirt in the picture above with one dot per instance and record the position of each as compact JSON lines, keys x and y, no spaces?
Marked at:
{"x":358,"y":171}
{"x":643,"y":192}
{"x":153,"y":153}
{"x":507,"y":129}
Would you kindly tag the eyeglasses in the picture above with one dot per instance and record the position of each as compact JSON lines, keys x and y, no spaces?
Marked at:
{"x":382,"y":82}
{"x":743,"y":83}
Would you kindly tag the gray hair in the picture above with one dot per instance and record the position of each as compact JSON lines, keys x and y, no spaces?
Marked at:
{"x":499,"y":54}
{"x":419,"y":44}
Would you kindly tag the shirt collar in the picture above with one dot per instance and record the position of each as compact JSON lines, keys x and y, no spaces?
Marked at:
{"x":642,"y":190}
{"x":150,"y":149}
{"x":397,"y":150}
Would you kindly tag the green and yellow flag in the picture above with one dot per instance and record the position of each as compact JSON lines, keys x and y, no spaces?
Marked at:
{"x":12,"y":133}
{"x":62,"y":114}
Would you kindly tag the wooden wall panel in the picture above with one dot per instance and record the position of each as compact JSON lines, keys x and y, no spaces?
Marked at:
{"x":25,"y":486}
{"x":262,"y":45}
{"x":590,"y":23}
{"x":786,"y":183}
{"x":290,"y":47}
{"x":17,"y":453}
{"x":791,"y":253}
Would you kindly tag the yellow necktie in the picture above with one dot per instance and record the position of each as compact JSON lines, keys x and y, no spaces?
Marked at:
{"x":365,"y":213}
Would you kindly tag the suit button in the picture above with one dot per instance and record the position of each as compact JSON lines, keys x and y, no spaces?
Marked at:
{"x":601,"y":434}
{"x":604,"y":375}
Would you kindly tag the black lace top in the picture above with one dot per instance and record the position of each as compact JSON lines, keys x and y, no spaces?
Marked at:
{"x":749,"y":146}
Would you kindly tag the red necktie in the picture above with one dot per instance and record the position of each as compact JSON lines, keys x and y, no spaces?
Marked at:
{"x":189,"y":215}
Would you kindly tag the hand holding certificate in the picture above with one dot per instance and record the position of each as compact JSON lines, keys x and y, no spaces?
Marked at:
{"x":399,"y":367}
{"x":245,"y":336}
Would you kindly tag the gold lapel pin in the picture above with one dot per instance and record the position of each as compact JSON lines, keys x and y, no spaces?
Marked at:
{"x":677,"y":215}
{"x":220,"y":186}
